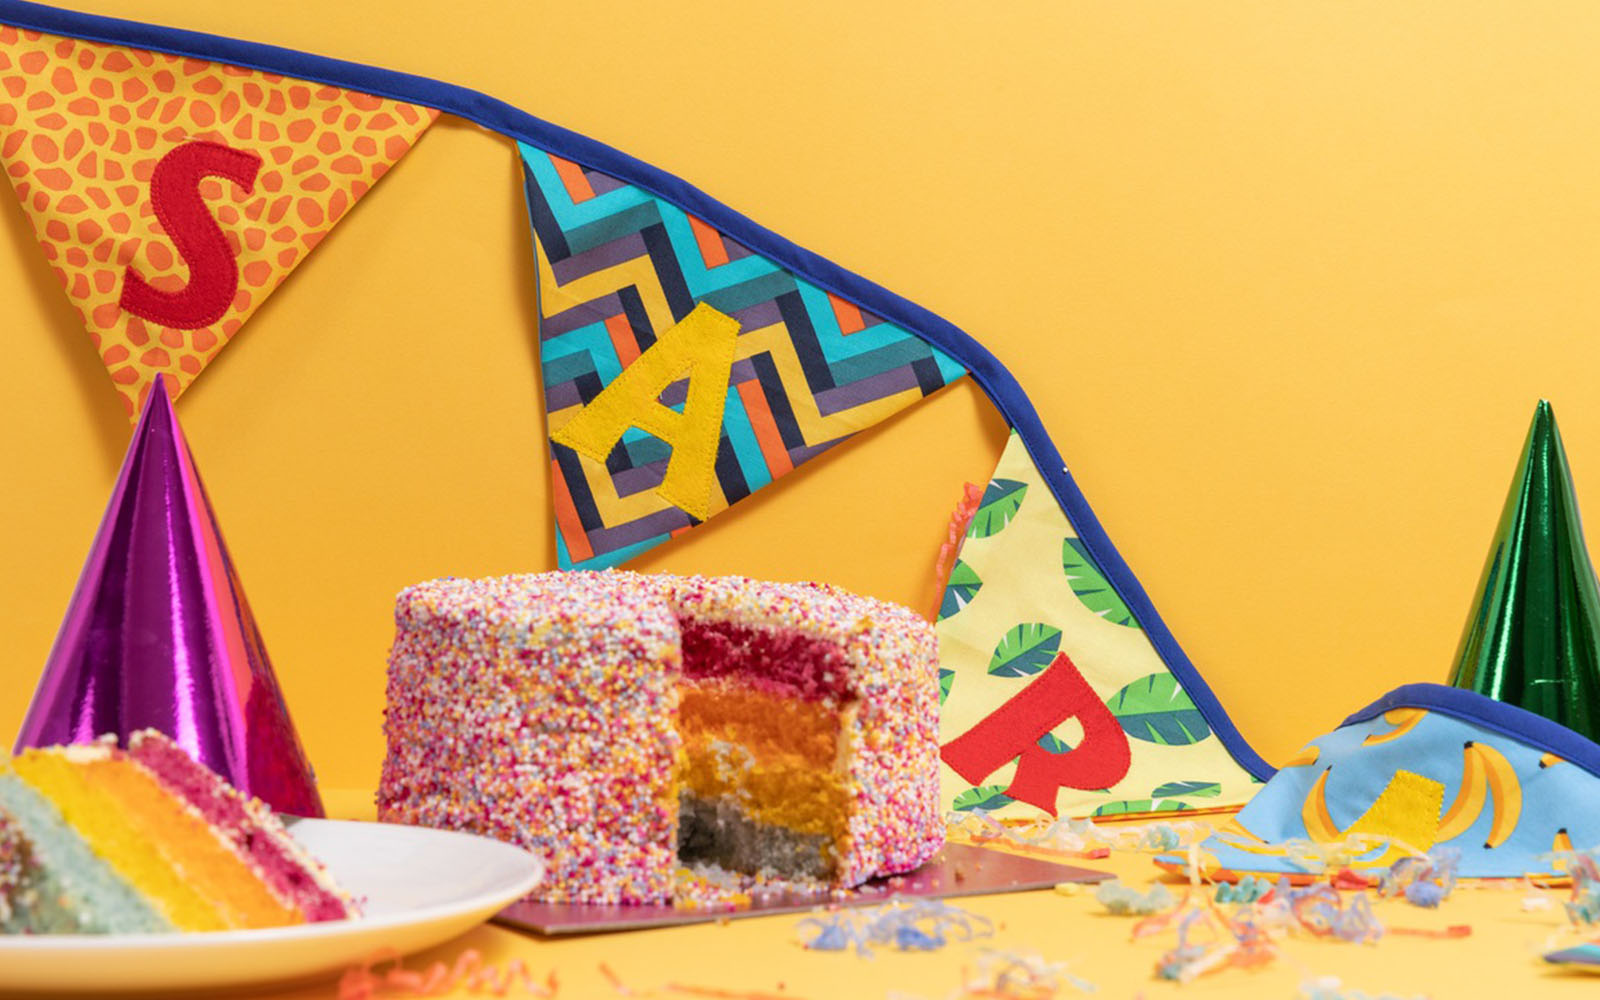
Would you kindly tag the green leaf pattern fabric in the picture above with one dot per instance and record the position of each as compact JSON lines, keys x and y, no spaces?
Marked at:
{"x":959,"y":590}
{"x":1094,"y":590}
{"x":1157,"y":709}
{"x":1052,"y":743}
{"x":1022,"y":590}
{"x":1196,"y":789}
{"x":1127,"y":807}
{"x":988,"y":798}
{"x":1025,"y":650}
{"x":1001,"y":500}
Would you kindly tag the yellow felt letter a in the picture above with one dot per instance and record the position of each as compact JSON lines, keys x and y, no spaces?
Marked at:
{"x":702,"y":343}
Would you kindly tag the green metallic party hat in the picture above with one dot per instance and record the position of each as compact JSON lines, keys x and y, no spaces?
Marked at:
{"x":1533,"y":637}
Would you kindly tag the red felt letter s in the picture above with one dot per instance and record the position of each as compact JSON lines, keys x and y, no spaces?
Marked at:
{"x":213,"y":271}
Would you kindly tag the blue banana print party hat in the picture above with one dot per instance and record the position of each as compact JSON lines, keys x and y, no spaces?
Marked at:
{"x":1423,"y":768}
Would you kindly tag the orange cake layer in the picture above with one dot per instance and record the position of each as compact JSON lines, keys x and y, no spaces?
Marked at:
{"x":804,"y":801}
{"x":773,"y":756}
{"x":806,"y":731}
{"x":104,"y":825}
{"x":186,"y":842}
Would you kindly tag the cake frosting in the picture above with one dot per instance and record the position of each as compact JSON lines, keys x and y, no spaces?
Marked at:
{"x":622,"y":724}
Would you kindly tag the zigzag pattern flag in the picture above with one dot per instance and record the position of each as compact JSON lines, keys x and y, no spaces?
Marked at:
{"x":620,"y":267}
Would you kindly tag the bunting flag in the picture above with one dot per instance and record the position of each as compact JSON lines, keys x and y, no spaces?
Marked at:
{"x":620,"y":273}
{"x":172,"y":195}
{"x":1054,"y":696}
{"x":688,"y":356}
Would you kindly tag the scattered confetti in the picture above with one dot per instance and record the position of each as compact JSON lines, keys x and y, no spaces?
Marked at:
{"x":1583,"y":868}
{"x":921,"y":925}
{"x":1453,"y":931}
{"x":1318,"y":857}
{"x":1125,"y":900}
{"x":1248,"y":889}
{"x":1322,"y":911}
{"x":1210,"y":940}
{"x":1348,"y":878}
{"x":1424,"y":881}
{"x":1077,"y":838}
{"x":361,"y":982}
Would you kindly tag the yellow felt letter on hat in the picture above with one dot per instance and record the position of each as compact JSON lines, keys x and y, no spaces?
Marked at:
{"x":702,"y":344}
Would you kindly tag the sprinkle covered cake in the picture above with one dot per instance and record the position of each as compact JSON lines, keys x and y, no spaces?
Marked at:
{"x":622,"y":725}
{"x":95,"y":840}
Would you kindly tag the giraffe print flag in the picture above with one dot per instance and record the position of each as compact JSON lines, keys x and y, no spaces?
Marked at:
{"x":172,"y":195}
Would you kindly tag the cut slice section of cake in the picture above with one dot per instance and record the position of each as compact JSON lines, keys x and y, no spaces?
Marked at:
{"x":93,"y":841}
{"x":248,"y":828}
{"x":54,"y":884}
{"x":80,"y":793}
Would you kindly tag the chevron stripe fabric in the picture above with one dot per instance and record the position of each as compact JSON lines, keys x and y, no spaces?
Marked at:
{"x":617,"y":267}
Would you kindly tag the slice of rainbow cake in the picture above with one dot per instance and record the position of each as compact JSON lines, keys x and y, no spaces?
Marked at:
{"x":95,"y":839}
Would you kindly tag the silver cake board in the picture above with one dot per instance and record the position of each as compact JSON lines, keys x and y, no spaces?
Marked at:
{"x":957,"y":870}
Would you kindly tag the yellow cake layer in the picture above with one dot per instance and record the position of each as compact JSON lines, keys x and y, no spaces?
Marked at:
{"x":777,"y":789}
{"x":807,"y":731}
{"x":104,"y":825}
{"x":188,"y":844}
{"x":776,"y":757}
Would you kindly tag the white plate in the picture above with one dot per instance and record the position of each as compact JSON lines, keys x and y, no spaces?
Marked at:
{"x":421,"y":887}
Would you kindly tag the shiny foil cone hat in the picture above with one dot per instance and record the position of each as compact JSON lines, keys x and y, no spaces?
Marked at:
{"x":1532,"y":638}
{"x":159,"y":634}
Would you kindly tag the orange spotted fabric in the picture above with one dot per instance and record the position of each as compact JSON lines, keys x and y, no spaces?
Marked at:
{"x":83,"y":127}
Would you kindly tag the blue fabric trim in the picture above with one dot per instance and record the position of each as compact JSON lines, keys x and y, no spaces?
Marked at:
{"x":1507,"y":720}
{"x":993,"y":377}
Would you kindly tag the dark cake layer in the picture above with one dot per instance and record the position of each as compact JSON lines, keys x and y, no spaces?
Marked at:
{"x":717,"y":831}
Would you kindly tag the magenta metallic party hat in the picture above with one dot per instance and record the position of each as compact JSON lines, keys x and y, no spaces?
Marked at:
{"x":159,"y":635}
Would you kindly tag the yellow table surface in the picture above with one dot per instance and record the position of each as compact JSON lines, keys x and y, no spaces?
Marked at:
{"x":762,"y":955}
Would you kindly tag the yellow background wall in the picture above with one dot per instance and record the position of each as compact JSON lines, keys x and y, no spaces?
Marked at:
{"x":1284,"y":279}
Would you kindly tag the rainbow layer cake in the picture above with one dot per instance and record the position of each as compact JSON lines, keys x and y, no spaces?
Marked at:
{"x":95,"y":839}
{"x":625,"y":725}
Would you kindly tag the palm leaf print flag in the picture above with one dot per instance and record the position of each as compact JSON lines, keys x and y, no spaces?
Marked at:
{"x":1055,"y":697}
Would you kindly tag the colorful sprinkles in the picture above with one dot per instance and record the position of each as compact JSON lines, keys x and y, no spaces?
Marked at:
{"x":542,"y":709}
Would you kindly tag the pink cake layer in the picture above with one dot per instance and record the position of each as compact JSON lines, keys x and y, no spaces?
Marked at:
{"x":541,"y":710}
{"x":776,"y":660}
{"x":253,"y":833}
